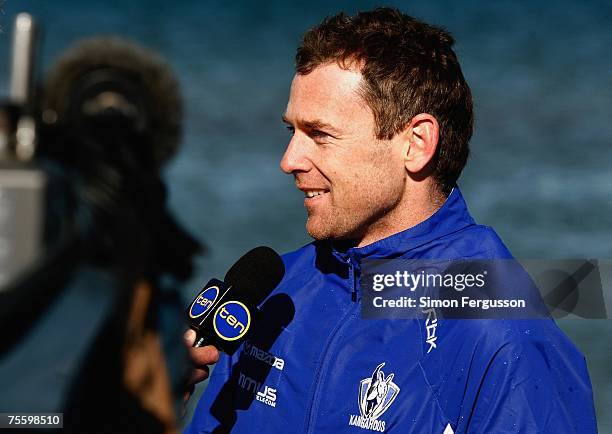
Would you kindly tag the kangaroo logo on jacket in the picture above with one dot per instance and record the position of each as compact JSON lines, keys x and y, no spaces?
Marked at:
{"x":376,"y":394}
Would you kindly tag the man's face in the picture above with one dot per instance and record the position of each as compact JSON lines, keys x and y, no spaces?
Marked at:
{"x":352,"y":182}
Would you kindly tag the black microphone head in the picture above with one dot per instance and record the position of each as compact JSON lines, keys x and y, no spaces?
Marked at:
{"x":256,"y":274}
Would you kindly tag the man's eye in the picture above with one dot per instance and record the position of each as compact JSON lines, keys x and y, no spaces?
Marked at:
{"x":316,"y":134}
{"x":291,"y":129}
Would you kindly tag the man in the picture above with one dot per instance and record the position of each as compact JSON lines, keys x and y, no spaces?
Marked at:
{"x":380,"y":117}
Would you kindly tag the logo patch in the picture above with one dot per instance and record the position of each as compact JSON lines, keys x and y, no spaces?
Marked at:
{"x":268,"y":358}
{"x":376,"y":394}
{"x":232,"y":320}
{"x":204,"y":302}
{"x":431,"y":323}
{"x":267,"y":395}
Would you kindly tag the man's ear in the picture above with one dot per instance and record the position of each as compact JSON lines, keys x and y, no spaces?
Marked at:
{"x":421,"y":141}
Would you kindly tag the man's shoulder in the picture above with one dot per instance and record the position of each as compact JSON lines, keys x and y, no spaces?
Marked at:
{"x":475,"y":241}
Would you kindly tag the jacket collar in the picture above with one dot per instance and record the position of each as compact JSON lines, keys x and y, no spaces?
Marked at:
{"x":451,"y":217}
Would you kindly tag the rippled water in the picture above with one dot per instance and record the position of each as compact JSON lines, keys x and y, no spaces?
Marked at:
{"x":541,"y":74}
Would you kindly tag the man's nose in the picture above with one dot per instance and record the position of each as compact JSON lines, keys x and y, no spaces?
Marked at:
{"x":295,"y":158}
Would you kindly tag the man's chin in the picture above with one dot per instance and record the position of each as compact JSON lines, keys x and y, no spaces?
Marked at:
{"x":318,"y":234}
{"x":318,"y":230}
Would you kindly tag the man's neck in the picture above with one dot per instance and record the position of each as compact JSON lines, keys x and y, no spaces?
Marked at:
{"x":407,"y":214}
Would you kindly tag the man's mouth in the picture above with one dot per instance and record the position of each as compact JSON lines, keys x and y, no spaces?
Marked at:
{"x":314,"y":193}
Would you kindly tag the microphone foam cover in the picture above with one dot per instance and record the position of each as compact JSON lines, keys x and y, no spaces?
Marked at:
{"x":256,"y":274}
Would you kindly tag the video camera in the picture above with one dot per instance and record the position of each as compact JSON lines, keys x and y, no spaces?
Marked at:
{"x":80,"y":160}
{"x":81,"y":189}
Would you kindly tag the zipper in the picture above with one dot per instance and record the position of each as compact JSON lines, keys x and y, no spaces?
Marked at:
{"x":353,"y":280}
{"x":311,"y":407}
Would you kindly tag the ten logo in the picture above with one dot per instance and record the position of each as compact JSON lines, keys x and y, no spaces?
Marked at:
{"x":204,"y":302}
{"x":232,"y":320}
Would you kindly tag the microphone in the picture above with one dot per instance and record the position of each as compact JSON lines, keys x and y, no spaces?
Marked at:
{"x":223,"y":312}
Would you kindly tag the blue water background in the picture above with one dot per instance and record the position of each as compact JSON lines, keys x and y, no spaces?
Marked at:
{"x":541,"y":74}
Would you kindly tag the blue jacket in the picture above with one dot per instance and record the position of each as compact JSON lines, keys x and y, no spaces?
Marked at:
{"x":316,"y":367}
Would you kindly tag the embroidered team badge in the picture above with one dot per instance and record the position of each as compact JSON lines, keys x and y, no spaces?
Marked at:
{"x":376,"y":394}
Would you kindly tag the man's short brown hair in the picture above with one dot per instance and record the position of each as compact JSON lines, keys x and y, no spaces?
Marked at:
{"x":408,"y":67}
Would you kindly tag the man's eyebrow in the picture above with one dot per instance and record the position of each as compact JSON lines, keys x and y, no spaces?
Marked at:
{"x":315,"y":124}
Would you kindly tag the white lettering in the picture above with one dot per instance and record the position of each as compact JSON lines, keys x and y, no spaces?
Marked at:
{"x":259,"y":354}
{"x":366,"y":423}
{"x":431,"y":323}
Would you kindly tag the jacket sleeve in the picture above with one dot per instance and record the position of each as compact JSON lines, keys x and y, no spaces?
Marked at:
{"x":203,"y":420}
{"x":527,"y":389}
